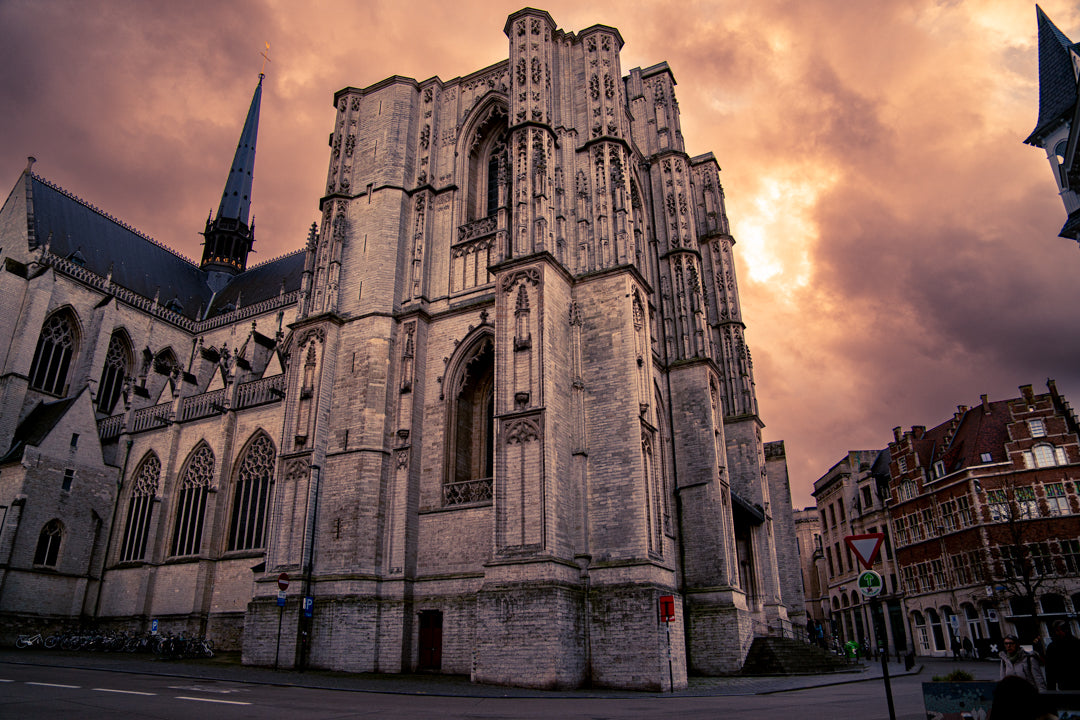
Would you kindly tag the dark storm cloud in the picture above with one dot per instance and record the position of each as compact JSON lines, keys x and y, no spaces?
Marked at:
{"x":896,"y":243}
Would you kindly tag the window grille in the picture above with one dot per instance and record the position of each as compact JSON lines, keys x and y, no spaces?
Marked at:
{"x":251,"y":498}
{"x":191,"y":502}
{"x":140,"y":510}
{"x":52,"y":357}
{"x":112,"y":374}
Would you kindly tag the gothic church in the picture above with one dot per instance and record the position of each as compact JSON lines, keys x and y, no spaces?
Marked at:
{"x":487,"y":421}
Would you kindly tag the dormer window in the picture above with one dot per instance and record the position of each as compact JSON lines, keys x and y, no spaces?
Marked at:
{"x":986,"y":457}
{"x":939,"y":468}
{"x":1037,"y":427}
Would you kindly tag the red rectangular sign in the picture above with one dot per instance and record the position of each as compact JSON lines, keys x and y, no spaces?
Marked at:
{"x":667,"y":608}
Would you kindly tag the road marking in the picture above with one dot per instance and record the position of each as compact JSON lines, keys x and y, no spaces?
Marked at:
{"x":125,"y":692}
{"x":73,"y":687}
{"x":3,"y":680}
{"x":206,"y":689}
{"x":212,"y":700}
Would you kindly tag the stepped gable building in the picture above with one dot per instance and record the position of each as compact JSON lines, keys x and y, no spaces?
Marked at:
{"x":985,"y":518}
{"x":497,"y":407}
{"x":1057,"y":130}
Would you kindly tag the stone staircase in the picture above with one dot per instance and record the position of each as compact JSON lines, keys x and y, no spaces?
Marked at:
{"x":785,"y":656}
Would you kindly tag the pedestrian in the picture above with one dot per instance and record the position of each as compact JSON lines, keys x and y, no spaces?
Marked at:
{"x":1017,"y":699}
{"x":969,"y":649}
{"x":955,"y":643}
{"x":1018,"y":662}
{"x":1062,"y":659}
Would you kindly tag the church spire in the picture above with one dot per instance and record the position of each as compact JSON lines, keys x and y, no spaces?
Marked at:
{"x":229,"y":237}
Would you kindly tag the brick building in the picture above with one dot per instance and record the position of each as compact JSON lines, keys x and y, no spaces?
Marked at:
{"x":851,"y":501}
{"x":984,"y":512}
{"x":497,"y":406}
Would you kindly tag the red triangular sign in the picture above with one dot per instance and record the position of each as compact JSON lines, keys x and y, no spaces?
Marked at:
{"x":865,"y":547}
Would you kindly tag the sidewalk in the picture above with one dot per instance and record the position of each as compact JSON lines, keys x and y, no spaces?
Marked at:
{"x":227,"y":668}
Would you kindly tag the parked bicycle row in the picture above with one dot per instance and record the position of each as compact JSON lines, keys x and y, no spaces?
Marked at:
{"x":166,"y":645}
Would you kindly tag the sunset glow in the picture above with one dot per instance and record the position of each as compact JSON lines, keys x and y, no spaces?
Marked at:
{"x":896,"y":241}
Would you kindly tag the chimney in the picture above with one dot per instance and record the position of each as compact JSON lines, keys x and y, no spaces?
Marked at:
{"x":896,"y":433}
{"x":985,"y":403}
{"x":1028,"y":393}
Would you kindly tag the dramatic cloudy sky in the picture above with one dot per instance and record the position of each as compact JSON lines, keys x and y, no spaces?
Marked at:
{"x":897,"y":243}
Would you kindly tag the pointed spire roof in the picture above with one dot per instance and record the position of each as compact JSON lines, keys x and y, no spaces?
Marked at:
{"x":1057,"y":78}
{"x":236,"y":200}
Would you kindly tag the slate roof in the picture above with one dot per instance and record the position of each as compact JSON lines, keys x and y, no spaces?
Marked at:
{"x":36,"y":426}
{"x":1057,"y":82}
{"x":103,"y":243}
{"x":236,"y":199}
{"x":78,"y":231}
{"x":260,"y":283}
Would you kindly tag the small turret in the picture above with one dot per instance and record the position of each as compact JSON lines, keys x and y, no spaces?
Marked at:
{"x":229,"y":236}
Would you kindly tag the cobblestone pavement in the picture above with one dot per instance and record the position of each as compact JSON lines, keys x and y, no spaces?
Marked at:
{"x":226,"y":668}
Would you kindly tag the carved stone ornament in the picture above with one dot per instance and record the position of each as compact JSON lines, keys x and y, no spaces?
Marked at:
{"x":314,"y":333}
{"x":521,"y":430}
{"x":296,"y":469}
{"x":529,"y":275}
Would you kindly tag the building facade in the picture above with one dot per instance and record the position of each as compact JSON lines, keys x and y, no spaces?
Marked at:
{"x":496,"y":408}
{"x":811,"y":560}
{"x":984,"y":512}
{"x":851,"y":500}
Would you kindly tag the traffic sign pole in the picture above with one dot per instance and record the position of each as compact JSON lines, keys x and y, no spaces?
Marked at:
{"x":876,"y":608}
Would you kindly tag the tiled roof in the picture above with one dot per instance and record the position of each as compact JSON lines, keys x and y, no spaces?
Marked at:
{"x":979,"y":432}
{"x":1057,"y":81}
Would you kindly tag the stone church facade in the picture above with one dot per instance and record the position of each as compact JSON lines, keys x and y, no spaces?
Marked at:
{"x":497,"y":407}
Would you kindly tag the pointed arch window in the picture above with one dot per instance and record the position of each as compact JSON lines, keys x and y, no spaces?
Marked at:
{"x":140,"y":510}
{"x":48,"y":545}
{"x":488,"y":165}
{"x":471,"y":427}
{"x":117,"y":362}
{"x":191,"y":501}
{"x":251,"y":496}
{"x":56,"y":346}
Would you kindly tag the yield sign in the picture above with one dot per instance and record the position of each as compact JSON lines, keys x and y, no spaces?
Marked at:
{"x":865,"y":547}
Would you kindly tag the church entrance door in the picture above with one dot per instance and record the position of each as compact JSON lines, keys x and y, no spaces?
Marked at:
{"x":430,"y":640}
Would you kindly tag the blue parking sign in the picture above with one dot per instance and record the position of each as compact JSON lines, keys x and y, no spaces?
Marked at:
{"x":309,"y":605}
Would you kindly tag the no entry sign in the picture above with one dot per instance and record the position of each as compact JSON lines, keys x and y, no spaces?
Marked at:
{"x":283,"y":581}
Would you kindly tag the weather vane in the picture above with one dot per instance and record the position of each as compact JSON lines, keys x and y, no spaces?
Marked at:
{"x":266,"y":59}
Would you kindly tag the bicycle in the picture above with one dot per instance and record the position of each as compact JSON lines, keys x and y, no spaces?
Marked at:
{"x":25,"y":641}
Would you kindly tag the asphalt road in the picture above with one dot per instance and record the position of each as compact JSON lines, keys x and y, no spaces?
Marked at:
{"x":37,"y":691}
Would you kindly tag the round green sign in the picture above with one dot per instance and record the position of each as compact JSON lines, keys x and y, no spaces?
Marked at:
{"x":870,"y":583}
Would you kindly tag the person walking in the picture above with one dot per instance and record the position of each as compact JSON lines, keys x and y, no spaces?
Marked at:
{"x":1062,"y":659}
{"x":1018,"y":662}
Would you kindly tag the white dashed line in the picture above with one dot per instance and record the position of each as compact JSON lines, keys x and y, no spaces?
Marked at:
{"x":73,"y":687}
{"x":3,"y":680}
{"x":211,"y":700}
{"x":125,"y":692}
